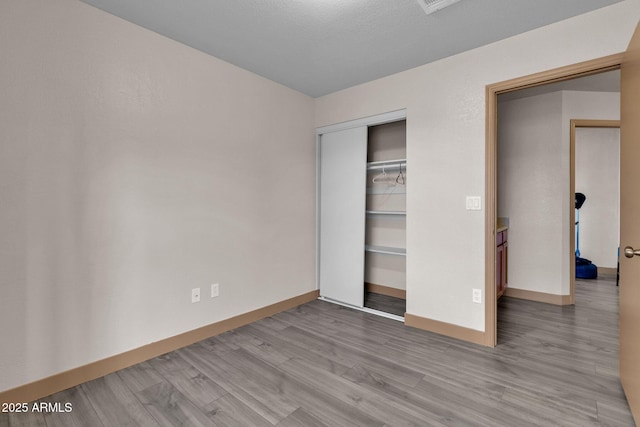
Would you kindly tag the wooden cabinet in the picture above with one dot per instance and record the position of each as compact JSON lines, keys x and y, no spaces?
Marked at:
{"x":502,"y":254}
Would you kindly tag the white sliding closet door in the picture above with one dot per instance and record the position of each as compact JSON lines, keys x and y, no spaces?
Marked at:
{"x":343,"y":175}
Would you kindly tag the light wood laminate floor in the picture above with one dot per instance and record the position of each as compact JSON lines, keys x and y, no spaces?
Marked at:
{"x":325,"y":365}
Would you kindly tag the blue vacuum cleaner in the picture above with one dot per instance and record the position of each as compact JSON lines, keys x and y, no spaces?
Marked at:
{"x":585,"y":269}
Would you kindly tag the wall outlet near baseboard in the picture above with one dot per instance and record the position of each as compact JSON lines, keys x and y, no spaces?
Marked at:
{"x":195,"y":295}
{"x":477,"y":296}
{"x":215,"y":290}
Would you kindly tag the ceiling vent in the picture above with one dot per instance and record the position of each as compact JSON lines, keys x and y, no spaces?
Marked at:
{"x":432,"y":6}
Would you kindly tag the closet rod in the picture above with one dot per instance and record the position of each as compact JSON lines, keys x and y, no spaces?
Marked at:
{"x":387,"y":165}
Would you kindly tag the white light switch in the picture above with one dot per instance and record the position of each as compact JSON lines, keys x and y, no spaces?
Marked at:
{"x":477,"y":296}
{"x":474,"y":203}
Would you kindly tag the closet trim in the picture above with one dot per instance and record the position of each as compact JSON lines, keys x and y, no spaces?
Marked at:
{"x":378,"y":119}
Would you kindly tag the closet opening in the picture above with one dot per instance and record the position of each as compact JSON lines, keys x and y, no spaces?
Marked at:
{"x":385,"y":226}
{"x":361,"y":222}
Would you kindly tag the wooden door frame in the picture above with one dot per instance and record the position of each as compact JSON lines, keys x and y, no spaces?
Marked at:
{"x":595,"y":66}
{"x":574,"y":124}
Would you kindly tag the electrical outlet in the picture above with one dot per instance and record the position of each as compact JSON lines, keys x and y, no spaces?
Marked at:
{"x":195,"y":295}
{"x":477,"y":296}
{"x":215,"y":290}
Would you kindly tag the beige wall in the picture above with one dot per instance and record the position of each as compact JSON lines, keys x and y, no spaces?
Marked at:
{"x":445,"y":104}
{"x":132,"y":169}
{"x":533,"y":183}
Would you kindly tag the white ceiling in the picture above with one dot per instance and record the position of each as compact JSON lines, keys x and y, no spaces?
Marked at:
{"x":321,"y":46}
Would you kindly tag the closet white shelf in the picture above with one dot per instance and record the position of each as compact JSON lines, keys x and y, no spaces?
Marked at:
{"x":386,"y":250}
{"x":387,"y":165}
{"x":386,"y":190}
{"x":394,"y":213}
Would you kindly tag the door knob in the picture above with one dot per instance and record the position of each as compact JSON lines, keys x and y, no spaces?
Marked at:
{"x":629,"y":252}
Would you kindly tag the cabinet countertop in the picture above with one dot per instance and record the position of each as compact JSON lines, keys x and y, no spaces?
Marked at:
{"x":502,"y":224}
